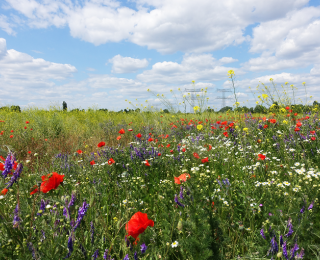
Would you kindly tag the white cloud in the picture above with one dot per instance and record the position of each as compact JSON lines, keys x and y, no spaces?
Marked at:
{"x":5,"y":26}
{"x":175,"y":25}
{"x":227,"y":60}
{"x":127,"y":64}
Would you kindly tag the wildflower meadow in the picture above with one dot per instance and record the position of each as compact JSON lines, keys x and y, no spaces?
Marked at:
{"x":153,"y":185}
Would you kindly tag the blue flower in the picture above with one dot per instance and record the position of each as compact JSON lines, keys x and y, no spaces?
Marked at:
{"x":143,"y":248}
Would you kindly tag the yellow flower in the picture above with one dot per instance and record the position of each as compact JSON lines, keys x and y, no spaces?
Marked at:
{"x":237,"y":104}
{"x":257,"y":102}
{"x":271,"y":79}
{"x":230,"y":72}
{"x":303,"y":83}
{"x":148,"y":89}
{"x":285,"y":121}
{"x":286,"y":83}
{"x":236,"y":127}
{"x":193,"y":81}
{"x":265,"y":96}
{"x":196,"y":108}
{"x":199,"y":127}
{"x":245,"y":129}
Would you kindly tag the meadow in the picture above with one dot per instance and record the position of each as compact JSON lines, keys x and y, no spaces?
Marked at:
{"x":153,"y":185}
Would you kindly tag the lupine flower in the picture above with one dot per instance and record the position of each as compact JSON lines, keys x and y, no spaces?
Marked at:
{"x":138,"y":224}
{"x":42,"y":207}
{"x":177,"y":201}
{"x":95,"y":254}
{"x":82,"y":211}
{"x":290,"y":228}
{"x":70,"y":247}
{"x":181,"y":193}
{"x":15,"y":176}
{"x":16,"y":218}
{"x":284,"y":249}
{"x":262,"y":233}
{"x":274,"y":245}
{"x":143,"y":248}
{"x":294,"y":250}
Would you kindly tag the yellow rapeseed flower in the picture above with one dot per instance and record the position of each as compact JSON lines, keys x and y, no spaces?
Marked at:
{"x":285,"y":121}
{"x":265,"y":96}
{"x":245,"y":129}
{"x":199,"y":127}
{"x":303,"y":83}
{"x":230,"y":72}
{"x":271,"y":79}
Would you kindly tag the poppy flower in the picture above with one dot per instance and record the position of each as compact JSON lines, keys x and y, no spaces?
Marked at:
{"x":298,"y":124}
{"x":139,"y":135}
{"x":4,"y":191}
{"x":27,"y":122}
{"x":265,"y":126}
{"x":168,"y":145}
{"x":29,"y":152}
{"x":130,"y":130}
{"x":79,"y":152}
{"x":92,"y":162}
{"x":111,"y":161}
{"x":183,"y":150}
{"x":273,"y":121}
{"x":46,"y":139}
{"x":312,"y":132}
{"x":121,"y":131}
{"x":205,"y":160}
{"x":261,"y":157}
{"x":196,"y":155}
{"x":138,"y":224}
{"x":182,"y":177}
{"x":209,"y":147}
{"x":212,"y":204}
{"x":49,"y":182}
{"x":159,"y":154}
{"x":150,"y":139}
{"x":147,"y":163}
{"x":313,"y":138}
{"x":11,"y":136}
{"x":101,"y":144}
{"x":25,"y":127}
{"x":119,"y":137}
{"x":171,"y":151}
{"x":11,"y":131}
{"x":297,"y":129}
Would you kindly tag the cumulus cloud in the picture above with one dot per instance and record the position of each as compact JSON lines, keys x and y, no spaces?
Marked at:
{"x":166,"y":26}
{"x":127,"y":64}
{"x":227,"y":60}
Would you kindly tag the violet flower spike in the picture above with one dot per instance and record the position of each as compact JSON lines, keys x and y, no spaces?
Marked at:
{"x":8,"y":164}
{"x":311,"y":205}
{"x":82,"y":211}
{"x":284,"y":250}
{"x":95,"y":254}
{"x":294,"y":250}
{"x":16,"y":218}
{"x":143,"y":248}
{"x":70,"y":247}
{"x":177,"y":201}
{"x":42,"y":207}
{"x":262,"y":233}
{"x":15,"y":176}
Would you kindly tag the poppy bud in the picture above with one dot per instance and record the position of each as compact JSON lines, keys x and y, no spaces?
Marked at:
{"x":179,"y":227}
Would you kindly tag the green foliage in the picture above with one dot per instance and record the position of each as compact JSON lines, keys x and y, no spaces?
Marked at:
{"x":64,"y":106}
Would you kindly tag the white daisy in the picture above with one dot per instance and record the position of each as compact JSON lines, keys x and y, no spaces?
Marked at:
{"x":175,"y":244}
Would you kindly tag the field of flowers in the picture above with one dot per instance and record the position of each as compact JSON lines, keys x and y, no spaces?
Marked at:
{"x":96,"y":185}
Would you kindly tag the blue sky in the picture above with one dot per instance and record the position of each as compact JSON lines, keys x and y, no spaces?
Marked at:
{"x":99,"y":53}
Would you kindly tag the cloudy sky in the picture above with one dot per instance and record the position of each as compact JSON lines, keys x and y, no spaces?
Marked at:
{"x":98,"y":53}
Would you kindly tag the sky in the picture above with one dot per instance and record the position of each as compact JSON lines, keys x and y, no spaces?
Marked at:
{"x":99,"y":53}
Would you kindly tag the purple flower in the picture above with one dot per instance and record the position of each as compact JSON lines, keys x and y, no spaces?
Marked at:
{"x":262,"y":233}
{"x":181,"y":193}
{"x":8,"y":164}
{"x":294,"y":250}
{"x":15,"y":176}
{"x":177,"y":201}
{"x":302,"y":210}
{"x":70,"y":247}
{"x":126,"y":257}
{"x":260,"y":205}
{"x":290,"y":228}
{"x":16,"y":218}
{"x":135,"y":256}
{"x":281,"y":240}
{"x":42,"y":207}
{"x":95,"y":254}
{"x":284,"y":249}
{"x":274,"y":245}
{"x":311,"y":205}
{"x":82,"y":211}
{"x":301,"y":254}
{"x":31,"y":249}
{"x":66,"y":213}
{"x":73,"y":199}
{"x":143,"y":248}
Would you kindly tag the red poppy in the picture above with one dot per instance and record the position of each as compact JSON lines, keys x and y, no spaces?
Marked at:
{"x":49,"y":182}
{"x":11,"y":131}
{"x":265,"y":126}
{"x":297,"y":129}
{"x":159,"y":154}
{"x":147,"y":163}
{"x":212,"y":204}
{"x":92,"y":162}
{"x":79,"y":152}
{"x":168,"y":145}
{"x":273,"y":121}
{"x":182,"y":177}
{"x":111,"y":161}
{"x":205,"y":160}
{"x":25,"y":127}
{"x":298,"y":124}
{"x":138,"y":224}
{"x":119,"y":137}
{"x":4,"y":191}
{"x":210,"y":147}
{"x":46,"y":139}
{"x":130,"y":130}
{"x":287,"y":107}
{"x":150,"y":139}
{"x":29,"y":152}
{"x":11,"y":136}
{"x":121,"y":131}
{"x":196,"y":155}
{"x":27,"y":122}
{"x":312,"y":132}
{"x":171,"y":151}
{"x":261,"y":157}
{"x":313,"y":138}
{"x":139,"y":135}
{"x":295,"y":114}
{"x":101,"y":144}
{"x":183,"y":150}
